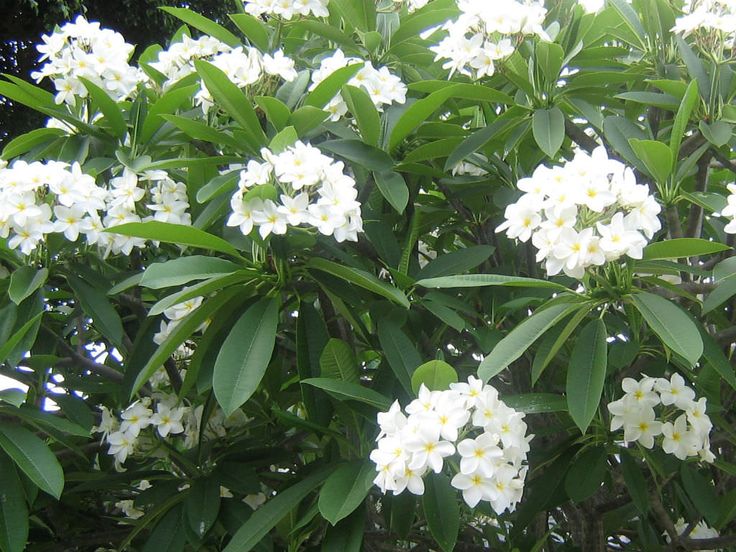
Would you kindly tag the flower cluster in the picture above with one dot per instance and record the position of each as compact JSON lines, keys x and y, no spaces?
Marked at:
{"x":297,"y":186}
{"x":244,"y":66}
{"x":177,"y":61}
{"x":584,"y":213}
{"x":287,"y":8}
{"x":730,"y":210}
{"x":707,"y":15}
{"x":687,"y":435}
{"x":140,"y":427}
{"x":83,"y":50}
{"x":38,"y":198}
{"x":383,"y":87}
{"x":482,"y":34}
{"x":468,"y":419}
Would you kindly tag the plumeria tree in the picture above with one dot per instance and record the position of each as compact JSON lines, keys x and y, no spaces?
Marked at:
{"x":374,"y":275}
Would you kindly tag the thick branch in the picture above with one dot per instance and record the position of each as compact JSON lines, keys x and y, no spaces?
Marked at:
{"x":578,"y":136}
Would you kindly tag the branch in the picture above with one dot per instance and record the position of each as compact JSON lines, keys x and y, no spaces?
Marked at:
{"x":726,"y":336}
{"x":94,"y":367}
{"x":578,"y":136}
{"x":695,"y":217}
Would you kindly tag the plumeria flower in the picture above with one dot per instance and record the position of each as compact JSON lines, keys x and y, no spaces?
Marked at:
{"x":168,"y":420}
{"x":643,"y":427}
{"x":480,"y":454}
{"x":674,"y":391}
{"x":677,"y":439}
{"x":427,"y":449}
{"x":135,"y":418}
{"x":475,"y":487}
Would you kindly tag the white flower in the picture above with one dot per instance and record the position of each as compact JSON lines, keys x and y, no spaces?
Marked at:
{"x":480,"y":454}
{"x":280,"y":65}
{"x":135,"y":418}
{"x":475,"y":487}
{"x":168,"y":420}
{"x":269,"y":220}
{"x":122,"y":444}
{"x":427,"y":449}
{"x":678,"y":440}
{"x":674,"y":391}
{"x":521,"y":220}
{"x":643,"y":427}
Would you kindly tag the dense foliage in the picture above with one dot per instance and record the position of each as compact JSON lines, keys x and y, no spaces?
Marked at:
{"x":374,"y":275}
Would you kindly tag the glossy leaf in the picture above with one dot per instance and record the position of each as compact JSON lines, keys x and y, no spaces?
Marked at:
{"x":32,"y":457}
{"x":587,"y":373}
{"x":671,"y":324}
{"x":345,"y":490}
{"x":245,"y":355}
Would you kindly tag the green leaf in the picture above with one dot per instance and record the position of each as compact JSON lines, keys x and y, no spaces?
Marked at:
{"x":364,"y":155}
{"x":215,"y":283}
{"x":548,"y":128}
{"x":656,"y":156}
{"x":587,"y":373}
{"x":441,"y":510}
{"x":521,"y":338}
{"x":694,"y":66}
{"x":228,"y":96}
{"x":13,"y":509}
{"x":455,"y":262}
{"x":357,"y":13}
{"x":184,"y":270}
{"x":548,"y":59}
{"x":201,"y":23}
{"x":273,"y":511}
{"x":345,"y":391}
{"x":393,"y":187}
{"x":717,"y":133}
{"x":714,"y":357}
{"x":166,"y":104}
{"x":33,"y":458}
{"x":346,"y":536}
{"x":168,"y":535}
{"x":722,"y":293}
{"x":245,"y":354}
{"x":24,"y":281}
{"x":331,"y":86}
{"x":682,"y":118}
{"x":285,"y":138}
{"x":421,"y":110}
{"x":49,"y":420}
{"x":331,"y":33}
{"x":9,"y":346}
{"x":436,"y":375}
{"x":202,"y":505}
{"x":180,"y":334}
{"x":253,"y":29}
{"x":26,"y":142}
{"x":401,"y":354}
{"x":360,"y":278}
{"x":365,"y":113}
{"x":586,"y":474}
{"x":682,"y":247}
{"x":552,"y":343}
{"x":515,"y":115}
{"x":175,"y":233}
{"x":276,"y":111}
{"x":345,"y":490}
{"x":671,"y":324}
{"x":482,"y":280}
{"x":629,"y":17}
{"x":200,"y":131}
{"x":307,"y":118}
{"x":107,"y":106}
{"x":635,"y":481}
{"x":98,"y":307}
{"x":337,"y":361}
{"x":701,"y":492}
